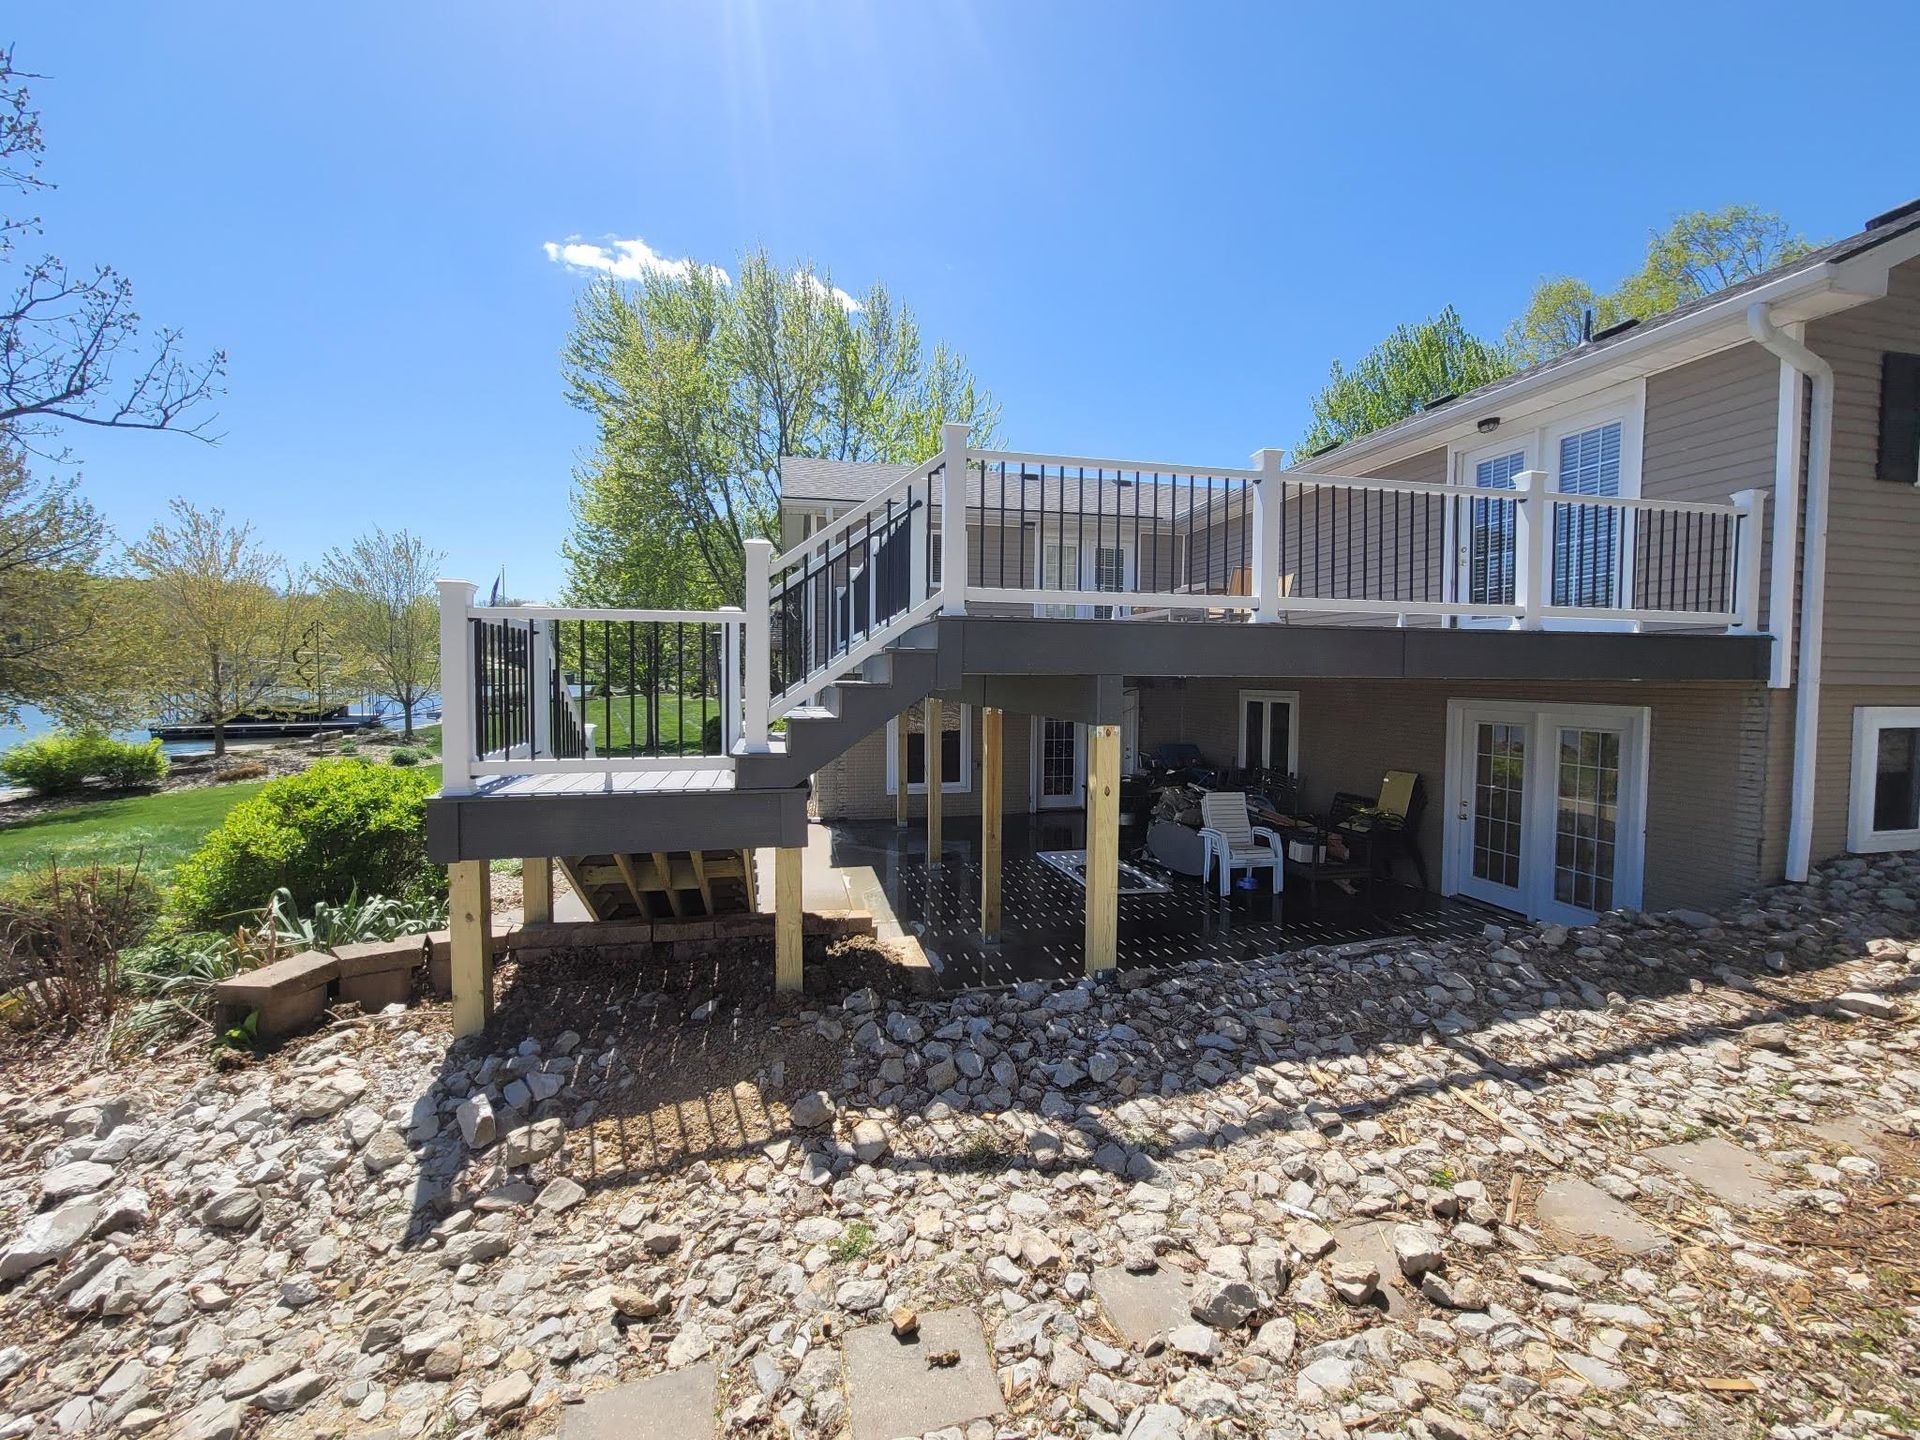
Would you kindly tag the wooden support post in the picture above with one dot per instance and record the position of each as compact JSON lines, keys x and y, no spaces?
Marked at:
{"x":789,"y":929}
{"x":536,"y":890}
{"x":902,"y":733}
{"x":992,"y":764}
{"x":1103,"y":847}
{"x":470,"y":902}
{"x":936,"y":796}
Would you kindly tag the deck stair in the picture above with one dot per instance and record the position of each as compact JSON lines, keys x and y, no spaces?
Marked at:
{"x":845,"y":712}
{"x":664,"y":884}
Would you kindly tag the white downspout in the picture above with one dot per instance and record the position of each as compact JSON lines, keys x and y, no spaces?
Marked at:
{"x":1813,"y":580}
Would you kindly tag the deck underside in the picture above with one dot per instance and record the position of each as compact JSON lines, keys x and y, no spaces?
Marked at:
{"x":1070,"y":669}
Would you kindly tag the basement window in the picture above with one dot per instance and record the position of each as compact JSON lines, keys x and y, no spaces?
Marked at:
{"x":956,"y":750}
{"x":1884,"y":813}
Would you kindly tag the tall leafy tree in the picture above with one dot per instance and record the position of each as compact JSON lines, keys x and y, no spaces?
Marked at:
{"x":699,"y":382}
{"x":225,"y":616}
{"x":1699,"y":252}
{"x":50,"y":603}
{"x":1412,"y":367}
{"x":380,"y":602}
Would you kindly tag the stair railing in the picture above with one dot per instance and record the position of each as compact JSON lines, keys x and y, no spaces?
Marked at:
{"x":837,"y":599}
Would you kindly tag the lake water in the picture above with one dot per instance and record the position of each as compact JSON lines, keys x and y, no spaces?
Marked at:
{"x":35,"y":723}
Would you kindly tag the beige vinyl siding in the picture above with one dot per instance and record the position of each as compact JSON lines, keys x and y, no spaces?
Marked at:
{"x":1707,"y":759}
{"x":1873,"y":526}
{"x":1710,"y":432}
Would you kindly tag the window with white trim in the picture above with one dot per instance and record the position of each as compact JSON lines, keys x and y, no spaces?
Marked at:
{"x":1884,"y":813}
{"x":1586,"y":537}
{"x":956,"y":750}
{"x":1270,"y":730}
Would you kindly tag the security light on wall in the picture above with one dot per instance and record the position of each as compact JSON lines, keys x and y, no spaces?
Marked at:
{"x":1488,"y":425}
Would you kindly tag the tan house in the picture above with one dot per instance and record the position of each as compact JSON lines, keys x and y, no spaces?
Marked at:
{"x":1644,"y":619}
{"x":1713,"y":401}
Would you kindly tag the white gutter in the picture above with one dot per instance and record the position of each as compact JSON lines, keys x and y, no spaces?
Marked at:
{"x":1813,"y":578}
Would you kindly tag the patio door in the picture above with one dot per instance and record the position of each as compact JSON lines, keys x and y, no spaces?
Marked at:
{"x":1495,"y":749}
{"x":1547,"y":807}
{"x":1059,"y":764}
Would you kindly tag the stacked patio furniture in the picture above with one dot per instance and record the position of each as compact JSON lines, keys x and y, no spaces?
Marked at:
{"x":1233,"y":842}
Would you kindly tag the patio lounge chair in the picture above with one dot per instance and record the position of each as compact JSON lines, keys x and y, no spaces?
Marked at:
{"x":1235,"y":843}
{"x":1391,"y":823}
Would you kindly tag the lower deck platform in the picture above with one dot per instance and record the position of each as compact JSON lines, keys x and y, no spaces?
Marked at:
{"x":878,"y":867}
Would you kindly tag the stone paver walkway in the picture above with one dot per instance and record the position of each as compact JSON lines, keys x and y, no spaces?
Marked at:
{"x":1371,"y":1241}
{"x":1731,"y":1175}
{"x":674,"y":1405}
{"x":895,"y":1389}
{"x":1576,"y":1210}
{"x":1142,"y":1307}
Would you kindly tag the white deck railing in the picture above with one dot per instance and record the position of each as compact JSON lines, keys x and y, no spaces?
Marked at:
{"x":559,"y":690}
{"x":1064,"y":536}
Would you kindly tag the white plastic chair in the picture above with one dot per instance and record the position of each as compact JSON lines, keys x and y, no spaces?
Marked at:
{"x":1235,"y":842}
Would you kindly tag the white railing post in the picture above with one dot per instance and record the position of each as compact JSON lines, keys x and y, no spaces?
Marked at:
{"x":1532,"y":530}
{"x":540,"y":662}
{"x":1268,"y":502}
{"x":730,"y":677}
{"x":1750,"y":533}
{"x":456,"y":688}
{"x":757,"y":687}
{"x":953,"y":519}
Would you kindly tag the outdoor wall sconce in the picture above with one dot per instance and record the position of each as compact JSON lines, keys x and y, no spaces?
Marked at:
{"x":1488,"y":425}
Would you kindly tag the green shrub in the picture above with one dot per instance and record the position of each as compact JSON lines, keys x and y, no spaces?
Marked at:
{"x":404,"y":757}
{"x":42,"y":910}
{"x":59,"y":763}
{"x":124,"y":765}
{"x":710,"y":736}
{"x":337,"y":829}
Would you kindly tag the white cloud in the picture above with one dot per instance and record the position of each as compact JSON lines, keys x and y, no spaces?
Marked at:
{"x":825,"y":291}
{"x":624,"y":259}
{"x":635,"y":260}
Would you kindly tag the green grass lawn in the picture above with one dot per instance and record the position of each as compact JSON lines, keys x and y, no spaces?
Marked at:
{"x":622,"y":732}
{"x":158,"y":830}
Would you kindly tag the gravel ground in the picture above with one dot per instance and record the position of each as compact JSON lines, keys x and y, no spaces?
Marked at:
{"x":1344,"y":1165}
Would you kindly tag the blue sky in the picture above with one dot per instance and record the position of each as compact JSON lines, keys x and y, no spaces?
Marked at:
{"x":1149,"y":228}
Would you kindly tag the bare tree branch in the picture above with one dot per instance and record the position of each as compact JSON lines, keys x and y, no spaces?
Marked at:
{"x":72,"y":351}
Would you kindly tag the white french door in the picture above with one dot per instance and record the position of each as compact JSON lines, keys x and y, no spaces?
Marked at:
{"x":1059,"y":764}
{"x":1546,"y":806}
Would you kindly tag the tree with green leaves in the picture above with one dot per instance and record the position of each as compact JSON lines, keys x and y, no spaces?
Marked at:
{"x":380,"y":603}
{"x":224,"y":616}
{"x":699,"y":382}
{"x":1699,"y":252}
{"x":1413,"y":367}
{"x":51,"y":540}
